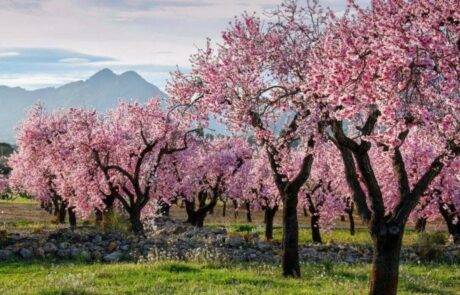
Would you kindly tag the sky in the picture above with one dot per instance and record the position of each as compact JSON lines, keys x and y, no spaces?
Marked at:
{"x":52,"y":42}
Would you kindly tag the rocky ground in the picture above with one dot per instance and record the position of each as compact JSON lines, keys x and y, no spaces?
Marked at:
{"x":169,"y":239}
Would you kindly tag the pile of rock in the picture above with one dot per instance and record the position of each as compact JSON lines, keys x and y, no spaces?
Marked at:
{"x":169,"y":239}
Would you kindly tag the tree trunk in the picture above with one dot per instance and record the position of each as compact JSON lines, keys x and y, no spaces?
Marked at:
{"x":305,"y":212}
{"x":248,"y":212}
{"x":269,"y":217}
{"x":351,"y":219}
{"x":385,"y":262}
{"x":72,"y":218}
{"x":420,"y":225}
{"x":235,"y":209}
{"x":290,"y":259}
{"x":99,"y":218}
{"x":224,"y":208}
{"x":315,"y":231}
{"x":449,"y":215}
{"x":163,"y":208}
{"x":62,"y":213}
{"x":135,"y":219}
{"x":197,"y":217}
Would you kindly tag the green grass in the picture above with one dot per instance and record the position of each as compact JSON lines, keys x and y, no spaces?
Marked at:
{"x":17,"y":200}
{"x":193,"y":278}
{"x":338,"y":235}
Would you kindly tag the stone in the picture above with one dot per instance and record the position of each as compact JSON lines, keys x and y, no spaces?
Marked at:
{"x":84,"y":255}
{"x":236,"y":242}
{"x":179,"y":229}
{"x":112,"y":246}
{"x":264,"y":246}
{"x":97,"y":239}
{"x":63,"y":253}
{"x":6,"y":254}
{"x":74,"y":252}
{"x":40,"y":252}
{"x":49,"y":248}
{"x":26,"y":253}
{"x":64,"y":245}
{"x":113,"y":257}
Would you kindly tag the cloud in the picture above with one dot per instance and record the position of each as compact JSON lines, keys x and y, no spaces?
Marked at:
{"x":9,"y":54}
{"x":48,"y":56}
{"x":21,"y":4}
{"x":148,"y":4}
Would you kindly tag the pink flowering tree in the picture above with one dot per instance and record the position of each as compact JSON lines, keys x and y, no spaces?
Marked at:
{"x":387,"y":74}
{"x":4,"y":185}
{"x":258,"y":189}
{"x":204,"y":172}
{"x":323,"y":194}
{"x":33,"y":169}
{"x":252,"y":80}
{"x":128,"y":147}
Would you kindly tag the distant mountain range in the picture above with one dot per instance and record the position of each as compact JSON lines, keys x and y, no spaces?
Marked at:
{"x":101,"y":91}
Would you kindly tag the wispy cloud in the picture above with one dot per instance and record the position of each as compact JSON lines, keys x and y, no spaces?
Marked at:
{"x":21,"y":4}
{"x":148,"y":4}
{"x":47,"y":55}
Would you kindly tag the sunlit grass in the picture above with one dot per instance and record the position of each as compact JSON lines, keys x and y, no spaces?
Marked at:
{"x":215,"y":278}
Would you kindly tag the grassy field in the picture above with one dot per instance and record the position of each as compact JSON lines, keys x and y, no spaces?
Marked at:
{"x":53,"y":277}
{"x":192,"y":278}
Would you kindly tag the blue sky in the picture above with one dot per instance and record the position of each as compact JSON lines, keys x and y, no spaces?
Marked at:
{"x":52,"y":42}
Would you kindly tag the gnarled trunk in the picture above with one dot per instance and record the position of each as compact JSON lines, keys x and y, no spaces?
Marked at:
{"x":248,"y":212}
{"x":135,"y":219}
{"x":163,"y":208}
{"x":315,"y":231}
{"x":72,"y":218}
{"x":290,"y":259}
{"x":420,"y":225}
{"x":351,"y":219}
{"x":269,"y":217}
{"x":449,"y":215}
{"x":99,"y":218}
{"x":62,"y":213}
{"x":197,"y":217}
{"x":385,"y":263}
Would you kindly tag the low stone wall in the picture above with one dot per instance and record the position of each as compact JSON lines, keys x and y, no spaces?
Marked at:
{"x":169,"y":239}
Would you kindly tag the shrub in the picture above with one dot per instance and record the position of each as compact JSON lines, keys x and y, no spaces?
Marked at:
{"x":430,"y":246}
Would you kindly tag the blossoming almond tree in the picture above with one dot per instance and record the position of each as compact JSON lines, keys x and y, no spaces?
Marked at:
{"x":33,"y":165}
{"x":129,"y":146}
{"x":387,"y":74}
{"x":204,"y":173}
{"x":252,"y":80}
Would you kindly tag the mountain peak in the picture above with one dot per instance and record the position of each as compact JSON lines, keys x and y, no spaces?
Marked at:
{"x":103,"y":74}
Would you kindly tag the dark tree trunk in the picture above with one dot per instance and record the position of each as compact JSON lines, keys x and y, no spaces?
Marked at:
{"x":290,"y":259}
{"x":449,"y":215}
{"x":62,"y":212}
{"x":385,"y":262}
{"x":351,"y":219}
{"x":235,"y":209}
{"x":248,"y":212}
{"x":342,"y":218}
{"x":315,"y":230}
{"x":99,"y":218}
{"x":305,"y":212}
{"x":197,"y":217}
{"x":72,"y":218}
{"x":269,"y":217}
{"x":163,"y":208}
{"x":420,"y":225}
{"x":135,"y":219}
{"x":224,"y":208}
